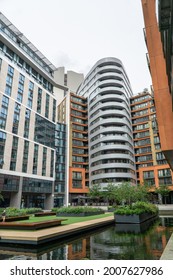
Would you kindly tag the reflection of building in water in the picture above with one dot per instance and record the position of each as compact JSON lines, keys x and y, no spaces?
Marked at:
{"x":105,"y":244}
{"x":113,"y":245}
{"x":77,"y":250}
{"x":152,"y":244}
{"x":59,"y":253}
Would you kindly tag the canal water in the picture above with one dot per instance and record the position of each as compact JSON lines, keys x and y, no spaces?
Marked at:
{"x":114,"y":242}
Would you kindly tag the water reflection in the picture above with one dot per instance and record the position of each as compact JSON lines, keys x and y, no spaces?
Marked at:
{"x":108,"y":243}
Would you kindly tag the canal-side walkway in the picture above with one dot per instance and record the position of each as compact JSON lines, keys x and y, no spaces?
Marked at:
{"x":167,"y":210}
{"x":45,"y":235}
{"x":168,"y":251}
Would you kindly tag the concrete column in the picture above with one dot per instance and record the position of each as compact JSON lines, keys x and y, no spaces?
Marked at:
{"x":49,"y":202}
{"x":15,"y":199}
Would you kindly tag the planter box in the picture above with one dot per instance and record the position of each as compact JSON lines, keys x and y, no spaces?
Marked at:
{"x":31,"y":226}
{"x":80,"y":214}
{"x":15,"y":218}
{"x":111,"y":209}
{"x":134,"y":228}
{"x":133,"y":219}
{"x":43,"y":214}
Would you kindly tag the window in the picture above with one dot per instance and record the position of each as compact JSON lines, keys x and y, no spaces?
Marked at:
{"x":47,"y":106}
{"x":30,"y":94}
{"x":27,"y":123}
{"x":4,"y":111}
{"x":2,"y":147}
{"x":14,"y":153}
{"x":52,"y":164}
{"x":148,"y":174}
{"x":39,"y":100}
{"x":77,"y":175}
{"x":16,"y":117}
{"x":35,"y":159}
{"x":54,"y":110}
{"x":20,"y":88}
{"x":44,"y":161}
{"x":164,"y":172}
{"x":25,"y":156}
{"x":10,"y":71}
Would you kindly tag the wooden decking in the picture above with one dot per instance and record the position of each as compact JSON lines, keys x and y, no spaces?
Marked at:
{"x":54,"y":233}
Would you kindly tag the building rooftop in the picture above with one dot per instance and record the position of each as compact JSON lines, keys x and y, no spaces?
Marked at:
{"x":22,"y":42}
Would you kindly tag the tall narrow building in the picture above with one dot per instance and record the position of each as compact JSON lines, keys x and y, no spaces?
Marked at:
{"x":111,"y":153}
{"x":158,"y":35}
{"x":73,"y":112}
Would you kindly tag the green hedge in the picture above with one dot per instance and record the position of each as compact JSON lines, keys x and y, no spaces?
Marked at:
{"x":76,"y":210}
{"x":12,"y":212}
{"x":137,"y":208}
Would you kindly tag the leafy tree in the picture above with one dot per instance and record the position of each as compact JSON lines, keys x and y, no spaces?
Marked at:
{"x":110,"y":193}
{"x":128,"y":193}
{"x":163,"y":190}
{"x":95,"y":192}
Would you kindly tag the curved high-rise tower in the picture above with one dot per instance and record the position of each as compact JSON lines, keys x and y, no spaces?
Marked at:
{"x":111,"y":154}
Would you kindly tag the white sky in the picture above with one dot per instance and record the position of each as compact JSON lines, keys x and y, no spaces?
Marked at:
{"x":77,"y":33}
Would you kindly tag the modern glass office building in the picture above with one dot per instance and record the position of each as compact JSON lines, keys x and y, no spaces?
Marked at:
{"x":27,"y":121}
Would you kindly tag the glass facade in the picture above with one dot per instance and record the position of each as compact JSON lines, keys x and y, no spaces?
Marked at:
{"x":44,"y":132}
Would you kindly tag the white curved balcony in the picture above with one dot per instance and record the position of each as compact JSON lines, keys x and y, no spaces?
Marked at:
{"x":112,"y":165}
{"x":108,"y":112}
{"x":111,"y":121}
{"x":110,"y":75}
{"x":110,"y":82}
{"x":113,"y":175}
{"x":106,"y":90}
{"x":111,"y":147}
{"x":109,"y":68}
{"x":111,"y":156}
{"x":104,"y":130}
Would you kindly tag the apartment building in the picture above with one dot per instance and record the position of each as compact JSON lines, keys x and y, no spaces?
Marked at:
{"x":110,"y":140}
{"x":60,"y":189}
{"x":73,"y":111}
{"x":151,"y":165}
{"x":158,"y":35}
{"x":28,"y":98}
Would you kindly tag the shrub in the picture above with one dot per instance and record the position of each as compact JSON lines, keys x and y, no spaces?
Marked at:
{"x":12,"y":212}
{"x":76,"y":210}
{"x":137,"y":208}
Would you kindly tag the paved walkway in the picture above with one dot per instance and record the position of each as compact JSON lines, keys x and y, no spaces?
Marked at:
{"x":165,"y":207}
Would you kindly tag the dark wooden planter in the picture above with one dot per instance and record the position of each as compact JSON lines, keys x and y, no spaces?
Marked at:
{"x":42,"y":214}
{"x":31,"y":226}
{"x":16,"y":218}
{"x":133,"y":219}
{"x":135,"y":228}
{"x":111,"y":209}
{"x":80,"y":214}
